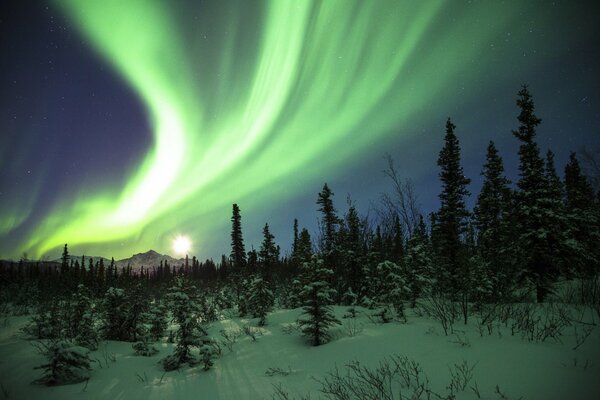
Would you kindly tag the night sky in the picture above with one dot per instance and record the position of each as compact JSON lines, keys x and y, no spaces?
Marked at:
{"x":126,"y":123}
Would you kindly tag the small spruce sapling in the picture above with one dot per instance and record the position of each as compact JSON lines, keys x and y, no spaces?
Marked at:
{"x":66,"y":363}
{"x":317,"y":298}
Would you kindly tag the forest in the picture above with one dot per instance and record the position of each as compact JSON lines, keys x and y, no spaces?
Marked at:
{"x":524,"y":261}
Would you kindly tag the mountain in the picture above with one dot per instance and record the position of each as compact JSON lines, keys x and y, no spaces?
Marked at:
{"x":148,"y":259}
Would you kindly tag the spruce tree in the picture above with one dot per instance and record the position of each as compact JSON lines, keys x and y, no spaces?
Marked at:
{"x":64,"y":264}
{"x":330,"y":220}
{"x":418,"y":264}
{"x":66,"y":363}
{"x":583,"y":217}
{"x":191,"y":332}
{"x":295,"y":241}
{"x":392,"y":289}
{"x":450,"y":220}
{"x":490,"y":212}
{"x":351,"y":253}
{"x":238,"y":252}
{"x":538,"y":239}
{"x":305,"y":251}
{"x":317,"y":297}
{"x":260,"y":299}
{"x":114,"y":314}
{"x":269,"y":253}
{"x":397,"y":250}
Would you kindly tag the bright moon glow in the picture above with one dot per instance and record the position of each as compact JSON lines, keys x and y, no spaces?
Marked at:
{"x":182,"y":245}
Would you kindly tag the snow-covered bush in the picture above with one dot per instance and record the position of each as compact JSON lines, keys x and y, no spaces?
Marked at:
{"x":66,"y":363}
{"x":144,"y":348}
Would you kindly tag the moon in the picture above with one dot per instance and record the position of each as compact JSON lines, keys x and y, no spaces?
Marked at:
{"x":182,"y":244}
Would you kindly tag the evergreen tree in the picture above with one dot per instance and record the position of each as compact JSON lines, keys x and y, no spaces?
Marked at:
{"x":397,"y":249}
{"x":351,"y":253}
{"x":392,"y":289}
{"x":304,"y":246}
{"x":269,"y":252}
{"x":66,"y":363}
{"x":418,"y":264}
{"x":64,"y":263}
{"x":114,"y":314}
{"x":538,"y":239}
{"x":317,"y":296}
{"x":583,"y":216}
{"x":295,"y":241}
{"x":136,"y":314}
{"x":157,"y":318}
{"x":190,"y":333}
{"x":330,"y":220}
{"x":490,"y":212}
{"x":450,"y":223}
{"x":260,"y":299}
{"x":238,"y":252}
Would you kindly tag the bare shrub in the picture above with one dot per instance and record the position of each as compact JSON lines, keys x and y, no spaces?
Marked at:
{"x":460,"y":376}
{"x":352,"y":327}
{"x":230,"y":337}
{"x":441,"y":309}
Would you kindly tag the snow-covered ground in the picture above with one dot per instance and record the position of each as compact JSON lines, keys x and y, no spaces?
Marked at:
{"x":547,"y":370}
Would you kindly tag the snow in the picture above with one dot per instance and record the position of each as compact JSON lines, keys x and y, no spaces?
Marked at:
{"x":547,"y":370}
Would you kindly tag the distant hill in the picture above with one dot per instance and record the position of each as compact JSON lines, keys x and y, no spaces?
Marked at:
{"x":148,"y":259}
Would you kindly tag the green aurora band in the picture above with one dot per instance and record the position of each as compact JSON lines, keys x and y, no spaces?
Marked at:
{"x":237,"y":113}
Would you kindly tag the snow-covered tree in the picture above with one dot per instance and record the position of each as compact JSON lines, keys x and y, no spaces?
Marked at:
{"x":451,"y":219}
{"x":114,"y":314}
{"x":490,"y":214}
{"x":392,"y":288}
{"x":541,"y":239}
{"x":190,"y":333}
{"x":157,"y":319}
{"x":66,"y":363}
{"x":317,"y":298}
{"x":260,"y":299}
{"x":417,"y":266}
{"x":584,"y":217}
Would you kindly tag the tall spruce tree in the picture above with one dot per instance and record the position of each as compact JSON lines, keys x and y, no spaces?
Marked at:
{"x":536,"y":237}
{"x":64,"y":261}
{"x":490,"y":211}
{"x":330,"y":220}
{"x":351,"y":249}
{"x":238,"y":252}
{"x":450,"y":220}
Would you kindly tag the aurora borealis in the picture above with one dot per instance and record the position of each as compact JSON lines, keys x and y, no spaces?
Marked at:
{"x":259,"y":103}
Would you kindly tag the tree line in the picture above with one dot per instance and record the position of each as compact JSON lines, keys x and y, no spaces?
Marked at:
{"x":518,"y":240}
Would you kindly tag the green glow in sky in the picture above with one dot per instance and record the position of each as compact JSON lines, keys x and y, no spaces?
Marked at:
{"x":272,"y":90}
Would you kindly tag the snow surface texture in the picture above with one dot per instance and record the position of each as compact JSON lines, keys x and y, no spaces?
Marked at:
{"x":280,"y":355}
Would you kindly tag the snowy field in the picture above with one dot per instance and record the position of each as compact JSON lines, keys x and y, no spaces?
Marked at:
{"x":251,"y":369}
